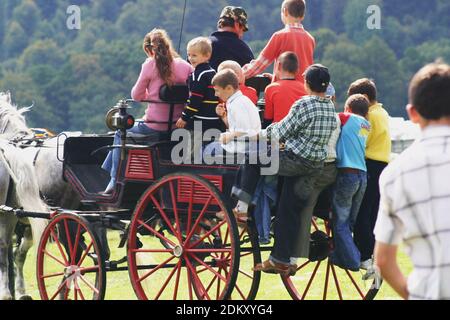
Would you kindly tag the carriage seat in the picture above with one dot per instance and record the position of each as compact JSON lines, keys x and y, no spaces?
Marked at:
{"x":173,"y":95}
{"x":259,"y":83}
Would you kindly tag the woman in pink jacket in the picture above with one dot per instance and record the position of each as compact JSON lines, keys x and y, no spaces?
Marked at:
{"x":162,"y":67}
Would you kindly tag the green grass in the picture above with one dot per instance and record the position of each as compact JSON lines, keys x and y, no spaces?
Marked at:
{"x":271,"y":286}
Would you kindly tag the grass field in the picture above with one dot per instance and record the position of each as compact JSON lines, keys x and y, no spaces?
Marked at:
{"x":271,"y":287}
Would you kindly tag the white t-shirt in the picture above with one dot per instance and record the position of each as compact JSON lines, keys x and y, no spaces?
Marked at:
{"x":415,"y":209}
{"x":243,"y":116}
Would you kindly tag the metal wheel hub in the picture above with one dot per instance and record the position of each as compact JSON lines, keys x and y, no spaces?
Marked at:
{"x":178,"y":251}
{"x":72,"y":271}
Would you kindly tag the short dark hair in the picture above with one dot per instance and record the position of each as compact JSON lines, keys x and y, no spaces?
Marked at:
{"x":295,"y":8}
{"x":226,"y":78}
{"x":429,"y":91}
{"x":289,"y":62}
{"x":359,"y":104}
{"x":364,"y":86}
{"x":318,"y":78}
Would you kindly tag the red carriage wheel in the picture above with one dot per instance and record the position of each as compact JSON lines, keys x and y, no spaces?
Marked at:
{"x":247,"y":283}
{"x":321,"y":280}
{"x":70,"y":264}
{"x":177,"y":247}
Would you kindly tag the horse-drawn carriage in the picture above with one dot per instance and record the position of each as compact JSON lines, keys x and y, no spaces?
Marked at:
{"x":177,"y":247}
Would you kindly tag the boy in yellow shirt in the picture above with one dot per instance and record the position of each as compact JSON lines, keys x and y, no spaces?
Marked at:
{"x":378,"y":152}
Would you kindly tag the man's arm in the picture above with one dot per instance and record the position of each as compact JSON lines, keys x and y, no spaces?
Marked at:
{"x":386,"y":261}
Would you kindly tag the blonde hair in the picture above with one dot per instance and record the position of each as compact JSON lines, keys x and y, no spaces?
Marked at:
{"x":159,"y":44}
{"x":234,"y":66}
{"x":224,"y":78}
{"x":202,"y":44}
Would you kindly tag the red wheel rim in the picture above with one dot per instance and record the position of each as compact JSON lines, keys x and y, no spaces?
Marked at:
{"x":247,"y":282}
{"x":188,"y":254}
{"x":323,"y":281}
{"x":72,"y":272}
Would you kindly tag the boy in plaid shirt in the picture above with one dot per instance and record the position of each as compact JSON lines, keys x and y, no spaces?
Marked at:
{"x":305,"y":132}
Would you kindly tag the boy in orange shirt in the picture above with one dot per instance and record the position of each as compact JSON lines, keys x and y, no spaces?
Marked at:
{"x":281,"y":95}
{"x":293,"y":38}
{"x":249,"y":92}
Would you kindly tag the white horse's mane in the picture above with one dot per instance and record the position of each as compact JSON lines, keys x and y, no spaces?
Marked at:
{"x":10,"y":113}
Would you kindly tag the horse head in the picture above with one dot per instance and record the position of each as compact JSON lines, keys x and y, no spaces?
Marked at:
{"x":12,"y":120}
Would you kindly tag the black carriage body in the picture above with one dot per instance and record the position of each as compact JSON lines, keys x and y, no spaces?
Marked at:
{"x":144,"y":164}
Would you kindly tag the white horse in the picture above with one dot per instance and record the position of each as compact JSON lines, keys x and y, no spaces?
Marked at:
{"x":48,"y":172}
{"x":18,"y":188}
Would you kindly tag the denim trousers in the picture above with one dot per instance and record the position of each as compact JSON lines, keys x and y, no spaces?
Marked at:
{"x":348,"y":194}
{"x":297,"y":183}
{"x":368,"y":213}
{"x":111,"y":163}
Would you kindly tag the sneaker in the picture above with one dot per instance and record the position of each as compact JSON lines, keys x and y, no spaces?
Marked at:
{"x":367,"y":264}
{"x":373,"y":274}
{"x":110,"y":188}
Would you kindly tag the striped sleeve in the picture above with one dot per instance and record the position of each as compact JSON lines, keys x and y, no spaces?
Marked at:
{"x":197,"y":95}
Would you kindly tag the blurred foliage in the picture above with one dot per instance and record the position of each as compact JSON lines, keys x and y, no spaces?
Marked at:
{"x":74,"y":76}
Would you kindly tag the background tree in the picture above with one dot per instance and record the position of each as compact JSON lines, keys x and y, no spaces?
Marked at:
{"x":73,"y":76}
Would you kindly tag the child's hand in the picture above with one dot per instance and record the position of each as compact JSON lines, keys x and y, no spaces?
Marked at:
{"x":268,"y":75}
{"x":225,"y":138}
{"x":221,"y":111}
{"x":181,"y":124}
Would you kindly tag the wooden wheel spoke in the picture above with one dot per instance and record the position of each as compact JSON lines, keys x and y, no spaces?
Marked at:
{"x":311,"y":281}
{"x":52,"y":275}
{"x":152,"y":250}
{"x":207,"y":234}
{"x":209,"y":268}
{"x":197,"y":280}
{"x":61,"y":286}
{"x":80,"y":292}
{"x":336,"y":282}
{"x":92,"y":287}
{"x":188,"y":271}
{"x":164,"y":216}
{"x":177,"y":281}
{"x":246,"y":274}
{"x":327,"y":277}
{"x":85,"y":253}
{"x":156,"y":233}
{"x":69,"y":239}
{"x":75,"y":245}
{"x":199,"y":218}
{"x":54,"y":258}
{"x":58,"y":244}
{"x":148,"y":274}
{"x":211,"y":283}
{"x":240,"y":292}
{"x":175,"y":212}
{"x":89,"y":269}
{"x":168,"y":280}
{"x":355,"y":284}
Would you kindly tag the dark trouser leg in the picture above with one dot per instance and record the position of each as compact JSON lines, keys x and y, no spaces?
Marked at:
{"x":368,"y":213}
{"x":246,"y":182}
{"x":294,"y":198}
{"x":324,"y":180}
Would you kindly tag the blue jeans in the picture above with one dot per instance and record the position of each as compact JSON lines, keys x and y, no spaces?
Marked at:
{"x":264,"y":199}
{"x":112,"y":160}
{"x":348,"y":193}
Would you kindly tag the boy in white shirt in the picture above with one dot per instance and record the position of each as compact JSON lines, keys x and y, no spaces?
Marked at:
{"x":241,"y":116}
